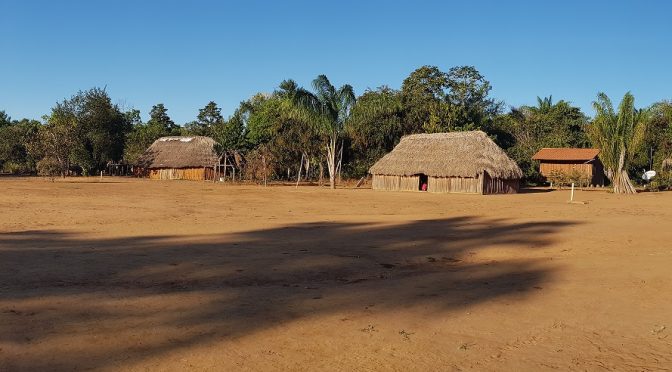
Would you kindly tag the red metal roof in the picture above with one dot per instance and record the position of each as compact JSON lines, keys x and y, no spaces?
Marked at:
{"x":566,"y":154}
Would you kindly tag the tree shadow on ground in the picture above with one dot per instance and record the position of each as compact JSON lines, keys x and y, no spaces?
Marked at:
{"x":61,"y":293}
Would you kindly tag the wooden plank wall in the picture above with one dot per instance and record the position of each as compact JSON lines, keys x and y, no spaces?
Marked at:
{"x":395,"y":183}
{"x":455,"y":184}
{"x":191,"y":174}
{"x":470,"y":185}
{"x":547,"y":168}
{"x":500,"y":186}
{"x":594,"y":171}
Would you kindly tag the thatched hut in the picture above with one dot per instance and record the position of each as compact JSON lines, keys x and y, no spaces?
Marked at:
{"x":180,"y":158}
{"x":458,"y":162}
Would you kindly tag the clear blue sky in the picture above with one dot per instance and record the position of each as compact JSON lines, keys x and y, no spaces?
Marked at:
{"x":186,"y":53}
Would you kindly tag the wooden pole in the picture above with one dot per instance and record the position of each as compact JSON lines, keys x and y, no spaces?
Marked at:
{"x":263,"y":160}
{"x":298,"y":178}
{"x":571,"y":198}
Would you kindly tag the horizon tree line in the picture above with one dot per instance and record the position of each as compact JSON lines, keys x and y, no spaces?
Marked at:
{"x":295,"y":130}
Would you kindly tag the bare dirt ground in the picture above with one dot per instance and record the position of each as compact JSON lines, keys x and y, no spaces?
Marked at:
{"x":151,"y":275}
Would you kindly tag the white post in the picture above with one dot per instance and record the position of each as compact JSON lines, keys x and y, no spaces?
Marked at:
{"x":101,"y":175}
{"x":571,"y":199}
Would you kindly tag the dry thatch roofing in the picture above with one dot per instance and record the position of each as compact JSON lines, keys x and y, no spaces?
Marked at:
{"x":180,"y":152}
{"x":455,"y":154}
{"x":568,"y":154}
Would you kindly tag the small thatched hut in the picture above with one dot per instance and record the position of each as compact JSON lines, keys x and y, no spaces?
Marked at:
{"x":459,"y":162}
{"x":180,"y":158}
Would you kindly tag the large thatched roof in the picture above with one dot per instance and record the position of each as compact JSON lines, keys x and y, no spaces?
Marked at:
{"x":455,"y":154}
{"x":180,"y":152}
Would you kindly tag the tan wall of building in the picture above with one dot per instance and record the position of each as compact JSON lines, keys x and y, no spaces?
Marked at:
{"x":192,"y":174}
{"x":470,"y":185}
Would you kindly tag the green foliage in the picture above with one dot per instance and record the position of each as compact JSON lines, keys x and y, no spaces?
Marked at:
{"x":560,"y":179}
{"x":271,"y":123}
{"x":207,"y":121}
{"x":435,"y":101}
{"x":327,"y":109}
{"x":658,"y":139}
{"x":469,"y":105}
{"x":5,"y":120}
{"x":296,"y":128}
{"x":374,"y":128}
{"x":525,"y":130}
{"x":96,"y":130}
{"x":57,"y":140}
{"x":142,"y":135}
{"x":14,"y":139}
{"x":49,"y":167}
{"x":619,"y":135}
{"x":423,"y":94}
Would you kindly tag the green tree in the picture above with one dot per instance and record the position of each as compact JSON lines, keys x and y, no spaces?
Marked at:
{"x":658,"y":139}
{"x":423,"y":95}
{"x":526,"y":129}
{"x":5,"y":120}
{"x":272,"y":128}
{"x":468,"y":100}
{"x":142,"y":135}
{"x":57,"y":140}
{"x":375,"y":127}
{"x":619,"y":135}
{"x":328,"y":108}
{"x":15,"y":137}
{"x":160,"y":121}
{"x":99,"y":132}
{"x":207,"y":121}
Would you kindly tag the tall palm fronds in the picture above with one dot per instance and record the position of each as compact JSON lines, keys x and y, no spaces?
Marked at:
{"x":544,"y":104}
{"x":618,"y":135}
{"x":328,"y":109}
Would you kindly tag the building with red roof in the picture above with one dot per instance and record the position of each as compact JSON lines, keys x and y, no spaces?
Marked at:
{"x":586,"y":162}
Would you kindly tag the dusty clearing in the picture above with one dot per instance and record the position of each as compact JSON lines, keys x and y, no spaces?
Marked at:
{"x":138,"y":275}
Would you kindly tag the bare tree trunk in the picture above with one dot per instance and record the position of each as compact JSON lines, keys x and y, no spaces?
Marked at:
{"x":621,"y":181}
{"x":307,"y":165}
{"x":331,"y":162}
{"x":339,"y":167}
{"x":298,"y":178}
{"x":320,"y":181}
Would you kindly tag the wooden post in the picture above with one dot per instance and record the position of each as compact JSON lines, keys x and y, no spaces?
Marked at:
{"x":298,"y":178}
{"x":571,"y":198}
{"x":263,"y":161}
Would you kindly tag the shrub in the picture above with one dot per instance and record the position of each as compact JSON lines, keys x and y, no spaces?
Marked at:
{"x":48,"y":167}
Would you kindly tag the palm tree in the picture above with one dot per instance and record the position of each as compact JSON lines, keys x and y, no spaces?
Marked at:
{"x":618,"y":135}
{"x":328,"y":109}
{"x":544,"y":104}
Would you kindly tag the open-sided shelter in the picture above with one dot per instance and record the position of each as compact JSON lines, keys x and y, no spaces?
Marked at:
{"x":456,"y":162}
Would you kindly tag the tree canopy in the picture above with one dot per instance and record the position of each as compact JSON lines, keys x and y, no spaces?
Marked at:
{"x":294,"y":129}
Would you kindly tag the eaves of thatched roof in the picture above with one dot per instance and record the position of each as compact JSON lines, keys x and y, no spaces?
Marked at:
{"x":180,"y":152}
{"x":455,"y":154}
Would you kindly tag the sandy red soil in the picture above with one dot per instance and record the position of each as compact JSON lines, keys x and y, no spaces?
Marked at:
{"x":151,"y":275}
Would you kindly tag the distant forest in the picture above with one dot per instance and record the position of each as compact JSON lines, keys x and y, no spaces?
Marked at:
{"x":338,"y":132}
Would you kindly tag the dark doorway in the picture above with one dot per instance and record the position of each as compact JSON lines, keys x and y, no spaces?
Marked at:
{"x":423,"y":184}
